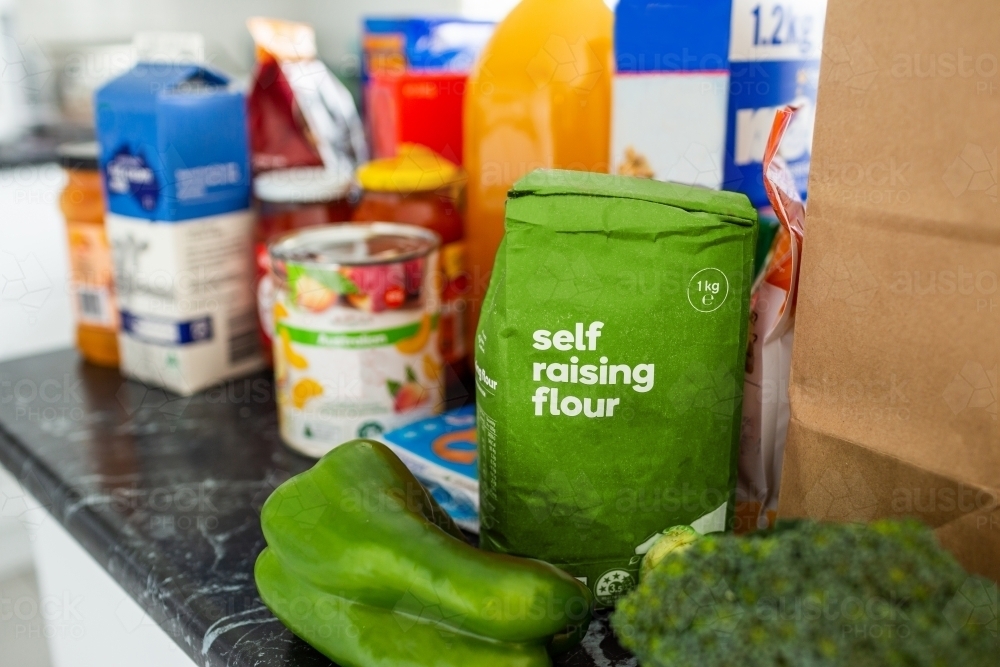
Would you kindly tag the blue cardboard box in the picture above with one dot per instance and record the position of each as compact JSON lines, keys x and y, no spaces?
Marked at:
{"x":441,"y":452}
{"x":423,"y":43}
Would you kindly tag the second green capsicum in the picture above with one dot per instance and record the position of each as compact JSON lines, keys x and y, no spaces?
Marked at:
{"x":363,"y":564}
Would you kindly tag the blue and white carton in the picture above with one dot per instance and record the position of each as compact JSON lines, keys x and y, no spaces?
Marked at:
{"x":175,"y":168}
{"x":698,"y":82}
{"x":440,"y":451}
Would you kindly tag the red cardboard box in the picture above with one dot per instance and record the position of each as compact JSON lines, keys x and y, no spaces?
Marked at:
{"x":416,"y":107}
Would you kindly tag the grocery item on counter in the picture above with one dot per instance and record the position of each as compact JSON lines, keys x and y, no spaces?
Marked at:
{"x":363,"y":564}
{"x":698,"y":82}
{"x":396,"y":44}
{"x":609,"y":369}
{"x":91,"y":276}
{"x":539,"y":96}
{"x":419,"y":187}
{"x":300,"y":114}
{"x":289,"y":200}
{"x":806,"y":593}
{"x":896,"y":355}
{"x":177,"y":178}
{"x":766,"y":410}
{"x":441,"y":452}
{"x":356,"y":324}
{"x":416,"y":107}
{"x":414,"y":72}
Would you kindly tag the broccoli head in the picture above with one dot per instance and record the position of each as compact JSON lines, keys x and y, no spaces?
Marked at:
{"x":810,"y":594}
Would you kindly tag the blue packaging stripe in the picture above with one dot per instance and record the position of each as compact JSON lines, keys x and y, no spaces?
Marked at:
{"x":680,"y":35}
{"x":162,"y":331}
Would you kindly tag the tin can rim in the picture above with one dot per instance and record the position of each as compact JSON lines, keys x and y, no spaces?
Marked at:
{"x":285,"y":248}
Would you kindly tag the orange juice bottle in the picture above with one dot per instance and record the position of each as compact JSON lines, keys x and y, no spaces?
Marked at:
{"x":91,"y":270}
{"x":539,"y":96}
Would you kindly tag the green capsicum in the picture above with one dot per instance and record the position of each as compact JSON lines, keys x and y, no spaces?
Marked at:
{"x":362,"y":563}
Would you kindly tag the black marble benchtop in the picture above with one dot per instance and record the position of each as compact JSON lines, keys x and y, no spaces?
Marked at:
{"x":165,"y":493}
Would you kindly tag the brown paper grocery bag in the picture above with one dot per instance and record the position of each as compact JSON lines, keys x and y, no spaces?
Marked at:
{"x":894,"y":372}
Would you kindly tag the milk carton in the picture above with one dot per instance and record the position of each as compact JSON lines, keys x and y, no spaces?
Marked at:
{"x":174,"y":161}
{"x":698,"y":83}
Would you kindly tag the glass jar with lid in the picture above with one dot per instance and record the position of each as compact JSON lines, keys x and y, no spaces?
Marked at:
{"x":419,"y":187}
{"x":288,"y":200}
{"x":92,"y":273}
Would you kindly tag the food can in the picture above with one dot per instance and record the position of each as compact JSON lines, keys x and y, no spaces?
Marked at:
{"x":355,"y":346}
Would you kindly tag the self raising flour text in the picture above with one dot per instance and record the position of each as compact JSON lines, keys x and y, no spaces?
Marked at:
{"x":577,"y":371}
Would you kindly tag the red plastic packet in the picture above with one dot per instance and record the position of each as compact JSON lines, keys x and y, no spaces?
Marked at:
{"x":299,"y":113}
{"x":772,"y":307}
{"x":782,"y":265}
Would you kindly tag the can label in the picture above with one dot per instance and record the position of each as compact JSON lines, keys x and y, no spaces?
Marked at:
{"x":356,"y":350}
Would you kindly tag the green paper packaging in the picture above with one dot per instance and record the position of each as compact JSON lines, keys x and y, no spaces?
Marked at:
{"x":609,"y":369}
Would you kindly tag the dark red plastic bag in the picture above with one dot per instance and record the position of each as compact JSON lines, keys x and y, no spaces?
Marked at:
{"x":299,"y":113}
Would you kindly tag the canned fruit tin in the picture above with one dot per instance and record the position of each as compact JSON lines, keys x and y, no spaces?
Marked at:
{"x":356,"y":332}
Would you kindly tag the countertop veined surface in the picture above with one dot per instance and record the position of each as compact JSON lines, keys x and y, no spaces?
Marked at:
{"x":165,"y":492}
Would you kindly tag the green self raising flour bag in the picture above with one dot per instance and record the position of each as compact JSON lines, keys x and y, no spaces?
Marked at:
{"x":609,"y":369}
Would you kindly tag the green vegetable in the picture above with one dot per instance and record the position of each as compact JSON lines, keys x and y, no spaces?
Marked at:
{"x":670,"y":541}
{"x":812,"y":595}
{"x":364,"y":565}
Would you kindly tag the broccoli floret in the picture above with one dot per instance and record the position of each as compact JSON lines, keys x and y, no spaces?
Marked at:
{"x":812,"y":595}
